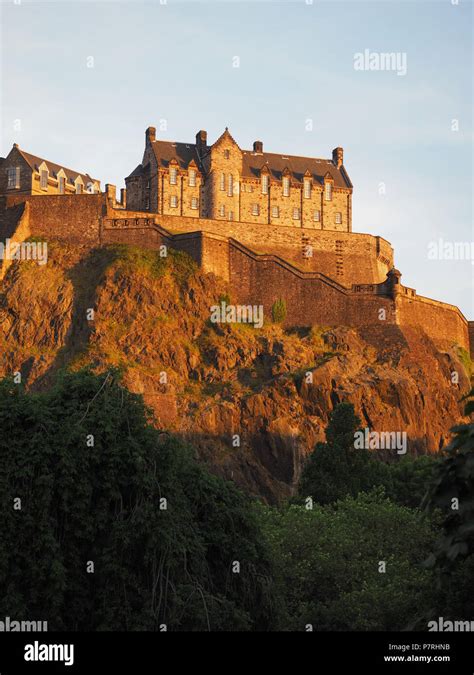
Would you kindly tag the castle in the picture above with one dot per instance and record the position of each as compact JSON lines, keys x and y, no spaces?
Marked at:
{"x":273,"y":226}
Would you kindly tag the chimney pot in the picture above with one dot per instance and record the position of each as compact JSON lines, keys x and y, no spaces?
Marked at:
{"x":150,"y":135}
{"x":258,"y":146}
{"x":201,"y":139}
{"x":338,"y":157}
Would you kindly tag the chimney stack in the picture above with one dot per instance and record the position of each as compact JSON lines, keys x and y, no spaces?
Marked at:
{"x":201,"y":141}
{"x":150,"y":135}
{"x":258,"y":146}
{"x":338,"y":157}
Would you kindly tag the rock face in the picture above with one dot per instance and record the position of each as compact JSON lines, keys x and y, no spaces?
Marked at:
{"x":253,"y":402}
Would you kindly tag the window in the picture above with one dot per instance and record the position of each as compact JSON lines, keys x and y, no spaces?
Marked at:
{"x":255,"y":210}
{"x":286,"y":186}
{"x":226,"y":154}
{"x":338,"y":218}
{"x":230,"y":185}
{"x":147,"y":204}
{"x":79,"y":188}
{"x":194,"y":203}
{"x":13,"y":174}
{"x":44,"y":179}
{"x":328,"y":191}
{"x":192,"y":178}
{"x":222,"y":210}
{"x":265,"y":182}
{"x":222,"y":181}
{"x":62,"y":185}
{"x":275,"y":212}
{"x":231,"y":215}
{"x":307,"y":189}
{"x":296,"y":214}
{"x":173,"y":175}
{"x":317,"y":216}
{"x":174,"y":201}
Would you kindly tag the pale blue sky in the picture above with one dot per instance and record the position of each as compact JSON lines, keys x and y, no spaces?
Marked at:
{"x":174,"y":62}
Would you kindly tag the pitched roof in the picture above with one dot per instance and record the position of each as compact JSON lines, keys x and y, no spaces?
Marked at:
{"x":253,"y":163}
{"x":165,"y":151}
{"x":35,"y":162}
{"x":138,"y":171}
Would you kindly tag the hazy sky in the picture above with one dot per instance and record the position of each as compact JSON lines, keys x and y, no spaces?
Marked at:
{"x":173,"y":65}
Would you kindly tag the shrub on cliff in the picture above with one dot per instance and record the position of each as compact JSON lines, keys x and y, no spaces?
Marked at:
{"x":108,"y":524}
{"x":279,"y":311}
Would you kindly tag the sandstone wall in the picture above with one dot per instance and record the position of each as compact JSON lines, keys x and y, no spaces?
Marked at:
{"x":351,"y":258}
{"x":441,"y":321}
{"x":75,"y":218}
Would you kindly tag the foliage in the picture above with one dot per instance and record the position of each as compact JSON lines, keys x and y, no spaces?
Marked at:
{"x":336,"y":469}
{"x":453,"y":494}
{"x":330,"y":563}
{"x":279,"y":311}
{"x":101,"y":503}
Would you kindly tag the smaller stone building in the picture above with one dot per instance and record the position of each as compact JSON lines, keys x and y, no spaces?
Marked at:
{"x":22,"y":173}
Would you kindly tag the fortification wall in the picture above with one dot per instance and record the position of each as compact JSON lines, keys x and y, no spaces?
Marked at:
{"x":74,"y":218}
{"x":261,"y":262}
{"x":349,"y":257}
{"x":470,"y":327}
{"x":444,"y":323}
{"x":311,"y":298}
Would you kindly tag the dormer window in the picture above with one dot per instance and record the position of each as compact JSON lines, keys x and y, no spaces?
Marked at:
{"x":44,"y":179}
{"x":286,"y":186}
{"x":79,"y":187}
{"x":307,"y":188}
{"x":61,"y":185}
{"x":328,"y":191}
{"x":192,"y":178}
{"x":173,"y":175}
{"x":265,"y":184}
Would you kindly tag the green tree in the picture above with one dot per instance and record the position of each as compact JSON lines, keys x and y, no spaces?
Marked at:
{"x":353,"y":565}
{"x":335,"y":468}
{"x":98,"y":485}
{"x":453,"y":494}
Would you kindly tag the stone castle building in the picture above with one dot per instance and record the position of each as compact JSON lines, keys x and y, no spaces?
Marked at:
{"x":22,"y":173}
{"x":223,"y":182}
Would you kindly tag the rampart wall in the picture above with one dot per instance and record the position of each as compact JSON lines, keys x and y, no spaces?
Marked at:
{"x":261,"y":263}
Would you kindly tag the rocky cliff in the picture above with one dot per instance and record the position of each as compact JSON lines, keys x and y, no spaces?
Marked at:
{"x":253,"y":402}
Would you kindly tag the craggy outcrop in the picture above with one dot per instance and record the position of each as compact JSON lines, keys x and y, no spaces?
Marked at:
{"x":253,"y":402}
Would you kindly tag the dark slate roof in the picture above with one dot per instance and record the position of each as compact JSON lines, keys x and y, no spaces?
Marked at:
{"x":138,"y":171}
{"x":184,"y":153}
{"x":71,"y":175}
{"x":253,"y":163}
